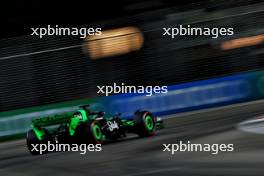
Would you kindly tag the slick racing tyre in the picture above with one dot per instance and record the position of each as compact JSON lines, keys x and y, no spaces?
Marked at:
{"x":145,"y":123}
{"x":93,"y":133}
{"x":32,"y":140}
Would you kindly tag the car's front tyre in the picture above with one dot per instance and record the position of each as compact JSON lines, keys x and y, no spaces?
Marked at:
{"x":145,"y":123}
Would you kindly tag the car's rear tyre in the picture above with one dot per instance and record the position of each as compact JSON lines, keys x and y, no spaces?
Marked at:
{"x":32,"y":140}
{"x":145,"y":123}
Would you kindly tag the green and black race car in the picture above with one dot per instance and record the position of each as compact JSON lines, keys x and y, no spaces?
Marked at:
{"x":86,"y":126}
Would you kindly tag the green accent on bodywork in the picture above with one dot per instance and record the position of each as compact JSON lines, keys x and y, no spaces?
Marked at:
{"x":52,"y":120}
{"x":97,"y":132}
{"x":39,"y":132}
{"x":84,"y":115}
{"x":57,"y":119}
{"x":73,"y":125}
{"x":75,"y":121}
{"x":149,"y":123}
{"x":128,"y":123}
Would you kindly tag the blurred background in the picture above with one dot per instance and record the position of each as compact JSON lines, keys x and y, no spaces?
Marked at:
{"x":55,"y":74}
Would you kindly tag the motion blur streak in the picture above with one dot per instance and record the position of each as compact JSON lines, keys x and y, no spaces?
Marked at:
{"x":145,"y":156}
{"x":114,"y":42}
{"x":243,"y":42}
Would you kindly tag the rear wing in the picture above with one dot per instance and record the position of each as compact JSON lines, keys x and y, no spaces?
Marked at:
{"x":52,"y":120}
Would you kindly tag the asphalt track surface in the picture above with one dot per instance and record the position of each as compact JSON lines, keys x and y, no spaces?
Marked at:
{"x":144,"y":156}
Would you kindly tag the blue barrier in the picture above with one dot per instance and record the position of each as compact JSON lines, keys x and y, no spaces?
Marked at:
{"x":187,"y":96}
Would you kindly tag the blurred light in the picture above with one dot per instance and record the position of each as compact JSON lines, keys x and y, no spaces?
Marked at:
{"x":114,"y":42}
{"x":242,"y":42}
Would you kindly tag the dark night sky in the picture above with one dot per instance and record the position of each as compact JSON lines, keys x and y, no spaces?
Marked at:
{"x":18,"y":16}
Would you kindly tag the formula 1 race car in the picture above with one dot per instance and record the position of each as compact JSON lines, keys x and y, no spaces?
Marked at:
{"x":86,"y":126}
